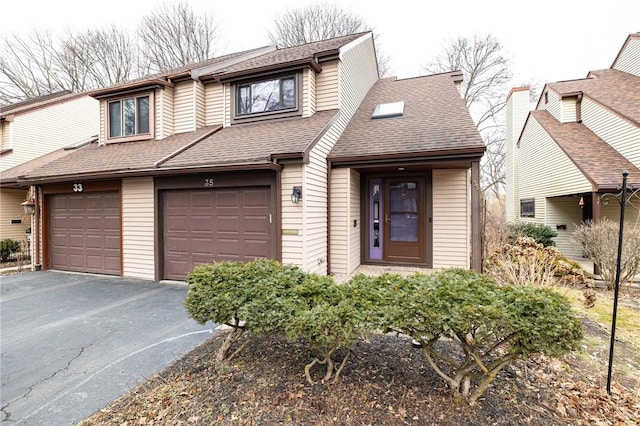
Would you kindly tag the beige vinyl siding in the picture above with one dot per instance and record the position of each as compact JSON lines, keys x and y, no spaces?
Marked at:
{"x":355,"y":80}
{"x":102,"y":123}
{"x":544,"y":168}
{"x":308,"y":93}
{"x":517,"y":112}
{"x":10,"y":209}
{"x":631,"y":213}
{"x":553,"y":106}
{"x":568,"y":110}
{"x":138,"y":233}
{"x":451,"y":218}
{"x":227,"y":104}
{"x":214,"y":104}
{"x":327,"y":86}
{"x":184,"y":107}
{"x":345,"y":209}
{"x":164,"y":112}
{"x":5,"y":135}
{"x":564,"y":211}
{"x":292,"y":218}
{"x":623,"y":136}
{"x":47,"y":129}
{"x":629,"y":59}
{"x":200,"y":109}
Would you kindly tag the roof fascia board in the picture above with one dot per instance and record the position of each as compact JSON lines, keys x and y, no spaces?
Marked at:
{"x":411,"y":157}
{"x":268,"y":69}
{"x":130,"y":88}
{"x":353,"y":43}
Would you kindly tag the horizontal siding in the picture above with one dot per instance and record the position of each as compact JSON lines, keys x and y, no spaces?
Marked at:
{"x":553,"y":106}
{"x":629,"y":59}
{"x":184,"y":107}
{"x":631,"y":212}
{"x":617,"y":132}
{"x":200,"y":108}
{"x":166,"y":112}
{"x":47,"y":129}
{"x":292,"y":219}
{"x":5,"y":138}
{"x":10,"y":209}
{"x":214,"y":105}
{"x":564,"y":211}
{"x":517,"y":110}
{"x":327,"y":87}
{"x":227,"y":104}
{"x":340,"y":215}
{"x":568,"y":110}
{"x":451,"y":216}
{"x":354,"y":215}
{"x":309,"y":93}
{"x":545,"y":171}
{"x":138,"y":231}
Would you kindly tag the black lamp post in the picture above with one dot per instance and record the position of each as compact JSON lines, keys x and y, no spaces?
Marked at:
{"x":622,"y":199}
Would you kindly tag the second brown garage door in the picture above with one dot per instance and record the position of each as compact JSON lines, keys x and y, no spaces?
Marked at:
{"x":84,"y":232}
{"x":202,"y":226}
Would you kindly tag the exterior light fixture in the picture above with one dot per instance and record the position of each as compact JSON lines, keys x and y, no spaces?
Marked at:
{"x":296,"y":195}
{"x":581,"y":202}
{"x":29,"y":206}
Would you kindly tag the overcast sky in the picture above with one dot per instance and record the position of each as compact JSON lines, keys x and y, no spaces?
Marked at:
{"x":547,"y":40}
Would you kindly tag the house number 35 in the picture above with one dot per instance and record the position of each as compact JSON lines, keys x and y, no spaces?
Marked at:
{"x":77,"y":187}
{"x":208,"y":183}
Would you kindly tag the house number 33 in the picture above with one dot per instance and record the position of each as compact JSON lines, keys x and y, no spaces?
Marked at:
{"x":208,"y":183}
{"x":77,"y":187}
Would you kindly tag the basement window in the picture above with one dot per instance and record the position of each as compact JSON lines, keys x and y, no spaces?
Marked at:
{"x":388,"y":110}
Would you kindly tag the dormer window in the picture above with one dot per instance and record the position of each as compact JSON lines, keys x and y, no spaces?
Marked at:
{"x":130,"y":117}
{"x":265,"y":97}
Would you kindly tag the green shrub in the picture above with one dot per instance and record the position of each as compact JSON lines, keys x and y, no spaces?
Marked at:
{"x":540,"y":233}
{"x":489,"y":326}
{"x":8,"y":247}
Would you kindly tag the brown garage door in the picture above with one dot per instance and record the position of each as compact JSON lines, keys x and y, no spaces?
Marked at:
{"x":84,"y":232}
{"x":201,"y":226}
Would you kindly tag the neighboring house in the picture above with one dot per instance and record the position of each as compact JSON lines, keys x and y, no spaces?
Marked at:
{"x":37,"y":129}
{"x":564,"y":155}
{"x":259,"y":154}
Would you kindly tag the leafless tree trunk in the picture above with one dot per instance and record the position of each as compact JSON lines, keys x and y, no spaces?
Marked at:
{"x":174,"y":35}
{"x":320,"y":22}
{"x":486,"y":73}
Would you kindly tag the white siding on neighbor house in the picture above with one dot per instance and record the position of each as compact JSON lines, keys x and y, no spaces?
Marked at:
{"x":164,"y":112}
{"x":200,"y":109}
{"x":345,"y":209}
{"x":451,"y":218}
{"x":553,"y":106}
{"x":564,"y":211}
{"x":629,"y":59}
{"x":184,"y":103}
{"x":46,"y":129}
{"x":138,"y":231}
{"x":291,"y":216}
{"x":623,"y":136}
{"x":357,"y":73}
{"x":545,"y":170}
{"x":214,"y":105}
{"x":568,"y":110}
{"x":10,"y":209}
{"x":328,"y":86}
{"x":517,"y":110}
{"x":308,"y":93}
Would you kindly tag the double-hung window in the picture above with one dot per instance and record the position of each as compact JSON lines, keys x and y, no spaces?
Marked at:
{"x":266,"y":96}
{"x":129,"y":117}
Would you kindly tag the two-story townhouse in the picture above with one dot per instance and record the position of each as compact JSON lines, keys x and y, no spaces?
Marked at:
{"x":33,"y":133}
{"x":566,"y":154}
{"x":246,"y":156}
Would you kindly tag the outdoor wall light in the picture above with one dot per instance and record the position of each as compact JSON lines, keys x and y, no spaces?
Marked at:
{"x":581,"y":202}
{"x":296,"y":195}
{"x":29,"y":206}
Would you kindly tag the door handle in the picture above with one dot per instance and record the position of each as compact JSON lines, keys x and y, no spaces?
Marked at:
{"x":386,"y":218}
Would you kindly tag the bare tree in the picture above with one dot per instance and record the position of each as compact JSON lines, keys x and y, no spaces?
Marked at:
{"x":317,"y":22}
{"x":486,"y":73}
{"x":174,"y":35}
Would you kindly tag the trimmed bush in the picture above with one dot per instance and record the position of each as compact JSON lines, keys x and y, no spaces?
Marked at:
{"x":540,"y":233}
{"x":488,"y":326}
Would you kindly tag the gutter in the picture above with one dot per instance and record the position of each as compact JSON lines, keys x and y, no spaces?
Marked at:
{"x":411,"y":157}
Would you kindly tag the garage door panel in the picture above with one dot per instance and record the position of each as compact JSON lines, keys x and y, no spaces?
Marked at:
{"x":216,"y":225}
{"x":85,"y":232}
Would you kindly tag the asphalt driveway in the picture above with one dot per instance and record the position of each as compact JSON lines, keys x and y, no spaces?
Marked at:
{"x":71,"y":343}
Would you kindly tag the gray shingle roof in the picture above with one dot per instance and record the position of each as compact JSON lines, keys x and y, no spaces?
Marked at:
{"x":435,"y":121}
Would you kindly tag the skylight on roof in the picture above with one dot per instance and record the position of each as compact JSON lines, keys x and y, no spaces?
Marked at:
{"x":391,"y":109}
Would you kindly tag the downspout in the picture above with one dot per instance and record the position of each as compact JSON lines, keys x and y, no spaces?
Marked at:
{"x":329,"y":217}
{"x":579,"y":108}
{"x":278,"y":213}
{"x":476,"y":228}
